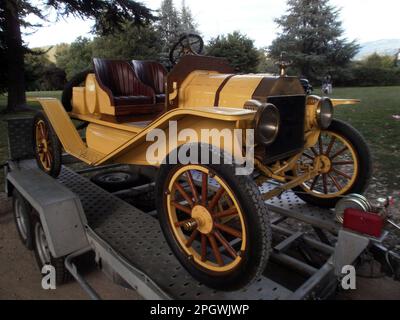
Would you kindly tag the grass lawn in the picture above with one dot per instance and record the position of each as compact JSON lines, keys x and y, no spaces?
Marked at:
{"x":373,"y":118}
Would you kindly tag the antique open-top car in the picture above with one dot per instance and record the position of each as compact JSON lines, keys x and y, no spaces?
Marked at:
{"x":215,"y":221}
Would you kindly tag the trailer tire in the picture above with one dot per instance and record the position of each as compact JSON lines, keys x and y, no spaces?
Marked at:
{"x":43,"y":255}
{"x":22,"y":217}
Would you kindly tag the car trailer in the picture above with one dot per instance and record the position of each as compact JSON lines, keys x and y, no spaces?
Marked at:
{"x":78,"y":217}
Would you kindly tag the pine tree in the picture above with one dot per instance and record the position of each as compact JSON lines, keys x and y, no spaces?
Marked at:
{"x":312,"y":37}
{"x":188,"y":23}
{"x":168,"y":25}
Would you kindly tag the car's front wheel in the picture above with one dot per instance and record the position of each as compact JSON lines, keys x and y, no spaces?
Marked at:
{"x":215,"y":223}
{"x":347,"y":166}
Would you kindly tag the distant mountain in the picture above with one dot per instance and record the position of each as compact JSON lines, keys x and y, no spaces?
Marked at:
{"x":383,"y":47}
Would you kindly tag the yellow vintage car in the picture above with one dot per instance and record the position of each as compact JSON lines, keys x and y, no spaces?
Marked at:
{"x":215,"y":221}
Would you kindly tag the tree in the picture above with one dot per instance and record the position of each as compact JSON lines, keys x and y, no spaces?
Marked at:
{"x":378,"y":61}
{"x":133,"y":42}
{"x":172,"y":24}
{"x":41,"y":74}
{"x":312,"y":37}
{"x":188,"y":23}
{"x":168,"y":25}
{"x":77,"y":58}
{"x":238,"y":49}
{"x":109,"y":16}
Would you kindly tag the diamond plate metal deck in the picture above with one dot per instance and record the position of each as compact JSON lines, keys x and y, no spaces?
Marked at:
{"x":138,"y":238}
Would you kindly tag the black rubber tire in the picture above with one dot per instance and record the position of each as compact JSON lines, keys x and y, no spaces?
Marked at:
{"x":22,"y":207}
{"x":365,"y":165}
{"x":68,"y":88}
{"x":56,"y":146}
{"x":117,"y":180}
{"x":256,"y":217}
{"x":62,"y":274}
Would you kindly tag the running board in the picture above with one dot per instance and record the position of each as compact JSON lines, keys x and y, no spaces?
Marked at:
{"x":67,"y":133}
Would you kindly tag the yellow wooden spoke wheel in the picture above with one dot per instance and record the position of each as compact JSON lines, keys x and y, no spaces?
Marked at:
{"x":215,"y":222}
{"x":46,"y":146}
{"x":345,"y":166}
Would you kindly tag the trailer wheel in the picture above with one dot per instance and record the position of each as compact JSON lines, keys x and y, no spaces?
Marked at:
{"x":43,"y":255}
{"x":215,"y":222}
{"x":22,"y":216}
{"x":47,"y":147}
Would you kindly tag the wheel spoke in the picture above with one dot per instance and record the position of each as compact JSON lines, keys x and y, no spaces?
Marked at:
{"x":183,"y":193}
{"x":336,"y":183}
{"x":181,"y":207}
{"x":48,"y":161}
{"x":340,"y":173}
{"x":192,"y":186}
{"x":204,"y":188}
{"x":314,"y":183}
{"x":328,"y":151}
{"x":325,"y":183}
{"x":229,"y":230}
{"x":203,"y":247}
{"x":338,"y":153}
{"x":308,"y":156}
{"x":192,"y":238}
{"x":342,"y":163}
{"x":314,"y":151}
{"x":223,"y":214}
{"x":320,"y":145}
{"x":216,"y":198}
{"x":215,"y":249}
{"x":226,"y":244}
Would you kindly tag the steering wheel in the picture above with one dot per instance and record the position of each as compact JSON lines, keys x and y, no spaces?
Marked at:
{"x":188,"y":44}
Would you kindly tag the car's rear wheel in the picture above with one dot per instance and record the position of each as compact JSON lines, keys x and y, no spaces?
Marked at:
{"x":215,"y":222}
{"x":347,"y":166}
{"x":47,"y":147}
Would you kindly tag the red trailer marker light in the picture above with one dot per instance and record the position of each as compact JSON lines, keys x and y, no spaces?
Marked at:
{"x":363,"y":222}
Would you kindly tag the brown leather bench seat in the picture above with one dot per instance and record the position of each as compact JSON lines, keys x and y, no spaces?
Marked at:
{"x":128,"y":94}
{"x":152,"y":74}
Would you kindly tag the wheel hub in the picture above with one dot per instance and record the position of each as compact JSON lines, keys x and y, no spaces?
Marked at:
{"x":325,"y":164}
{"x":203,"y":219}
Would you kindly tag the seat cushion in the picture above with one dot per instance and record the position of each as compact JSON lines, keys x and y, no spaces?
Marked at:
{"x":152,"y":74}
{"x":133,"y":100}
{"x":160,"y":98}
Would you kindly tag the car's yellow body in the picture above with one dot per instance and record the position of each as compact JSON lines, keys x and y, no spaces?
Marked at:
{"x":202,"y":93}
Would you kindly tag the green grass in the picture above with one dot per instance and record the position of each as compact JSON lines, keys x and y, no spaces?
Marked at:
{"x":373,"y":118}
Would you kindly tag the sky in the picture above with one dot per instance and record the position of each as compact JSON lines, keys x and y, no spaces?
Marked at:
{"x":363,"y":20}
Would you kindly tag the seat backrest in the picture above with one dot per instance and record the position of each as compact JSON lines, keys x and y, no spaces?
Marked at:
{"x":120,"y":78}
{"x":152,"y":74}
